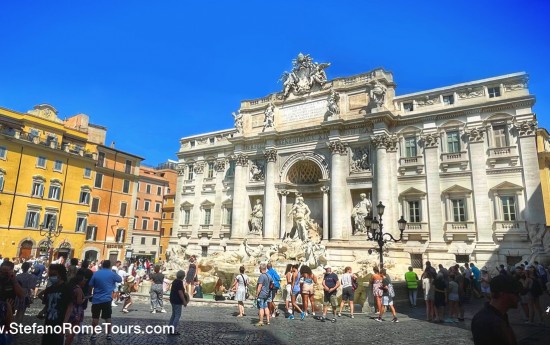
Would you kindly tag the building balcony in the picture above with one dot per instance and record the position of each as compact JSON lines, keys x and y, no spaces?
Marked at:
{"x":415,"y":231}
{"x":516,"y":228}
{"x":459,"y":231}
{"x":206,"y":230}
{"x":502,"y":156}
{"x":411,"y":164}
{"x":454,"y":160}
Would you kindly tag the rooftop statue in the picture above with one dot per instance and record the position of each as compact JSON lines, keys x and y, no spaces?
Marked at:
{"x":269,"y":116}
{"x":304,"y":76}
{"x":238,"y":118}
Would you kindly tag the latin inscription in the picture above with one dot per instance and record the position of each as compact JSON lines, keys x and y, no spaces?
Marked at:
{"x":304,"y":111}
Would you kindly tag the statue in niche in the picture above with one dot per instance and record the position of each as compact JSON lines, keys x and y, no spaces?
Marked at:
{"x":257,"y":172}
{"x":269,"y":114}
{"x":332,"y":104}
{"x":256,"y":218}
{"x":360,"y":212}
{"x":360,"y":160}
{"x":238,"y":118}
{"x":300,"y":215}
{"x":378,"y":94}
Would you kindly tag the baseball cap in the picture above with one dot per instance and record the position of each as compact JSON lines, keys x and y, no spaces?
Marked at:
{"x":327,"y":266}
{"x":502,"y":283}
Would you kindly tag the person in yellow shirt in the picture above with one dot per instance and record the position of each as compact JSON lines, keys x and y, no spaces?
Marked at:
{"x":412,"y":286}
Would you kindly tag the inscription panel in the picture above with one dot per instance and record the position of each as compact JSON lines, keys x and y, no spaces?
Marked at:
{"x":305,"y":111}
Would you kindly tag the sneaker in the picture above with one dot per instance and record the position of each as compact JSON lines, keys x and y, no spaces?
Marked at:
{"x":273,"y":315}
{"x":163,"y":311}
{"x":313,"y":313}
{"x":125,"y":310}
{"x":154,"y":311}
{"x":113,"y":304}
{"x":302,"y":315}
{"x":378,"y":319}
{"x":333,"y":320}
{"x":277,"y":312}
{"x":322,"y":319}
{"x":339,"y":314}
{"x":353,"y":317}
{"x":291,"y":317}
{"x":395,"y":320}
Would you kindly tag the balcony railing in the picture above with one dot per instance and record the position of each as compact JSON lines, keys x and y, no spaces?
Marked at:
{"x":421,"y":230}
{"x":458,"y":229}
{"x":516,"y":228}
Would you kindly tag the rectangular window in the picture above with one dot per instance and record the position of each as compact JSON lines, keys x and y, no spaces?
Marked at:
{"x":453,"y":142}
{"x":156,"y":225}
{"x":162,"y":232}
{"x":81,"y":223}
{"x":37,"y":189}
{"x":50,"y":220}
{"x":41,"y":162}
{"x":144,"y":224}
{"x":154,"y":241}
{"x":408,"y":107}
{"x":186,"y":217}
{"x":410,"y":147}
{"x":137,"y":204}
{"x":54,"y":192}
{"x":207,"y":216}
{"x":192,"y":143}
{"x":462,"y":259}
{"x":459,"y":210}
{"x":163,"y":215}
{"x":143,"y":240}
{"x":228,"y":215}
{"x":125,"y":186}
{"x":172,"y":215}
{"x":448,"y":100}
{"x":32,"y":219}
{"x":414,"y":211}
{"x":87,"y":172}
{"x":190,"y":172}
{"x":120,"y":235}
{"x":84,"y":197}
{"x":91,"y":233}
{"x":211,"y":141}
{"x":204,"y":251}
{"x":128,"y":167}
{"x":171,"y":232}
{"x":499,"y":135}
{"x":101,"y":159}
{"x":3,"y":152}
{"x":158,"y":207}
{"x":416,"y":261}
{"x":146,"y":205}
{"x":123,"y":209}
{"x":159,"y":190}
{"x":508,"y":208}
{"x":98,"y":180}
{"x":95,"y":205}
{"x":494,"y":92}
{"x":148,"y":189}
{"x":58,"y":166}
{"x":210,"y":170}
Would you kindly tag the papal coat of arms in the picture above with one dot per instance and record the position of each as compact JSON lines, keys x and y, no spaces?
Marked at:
{"x":305,"y":75}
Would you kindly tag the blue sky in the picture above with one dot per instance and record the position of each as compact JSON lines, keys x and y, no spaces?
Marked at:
{"x":153,"y":72}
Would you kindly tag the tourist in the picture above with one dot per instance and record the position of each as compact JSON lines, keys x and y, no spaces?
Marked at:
{"x":541,"y":273}
{"x":387,"y":297}
{"x":10,"y":288}
{"x":38,"y":269}
{"x":412,"y":286}
{"x":103,"y":282}
{"x":534,"y":294}
{"x":490,"y":325}
{"x":295,"y":292}
{"x":27,"y":281}
{"x":453,"y":298}
{"x":309,"y":280}
{"x":126,"y":290}
{"x":191,"y":276}
{"x":476,"y":281}
{"x":77,"y":312}
{"x":429,"y":295}
{"x":440,"y":296}
{"x":484,"y":283}
{"x":276,"y":286}
{"x":156,"y":292}
{"x":6,"y":318}
{"x":72,"y":269}
{"x":263,"y":294}
{"x":240,"y":286}
{"x":430,"y":268}
{"x":288,"y":289}
{"x":87,"y":273}
{"x":178,"y":298}
{"x":502,"y":270}
{"x":377,"y":290}
{"x":58,"y":300}
{"x":526,"y":283}
{"x":347,"y":290}
{"x":330,"y":285}
{"x":459,"y":278}
{"x":197,"y":289}
{"x":219,"y":290}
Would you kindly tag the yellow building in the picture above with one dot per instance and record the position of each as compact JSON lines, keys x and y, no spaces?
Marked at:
{"x":46,"y":167}
{"x":543,"y":148}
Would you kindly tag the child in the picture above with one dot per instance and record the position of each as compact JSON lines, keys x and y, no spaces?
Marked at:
{"x":126,"y":293}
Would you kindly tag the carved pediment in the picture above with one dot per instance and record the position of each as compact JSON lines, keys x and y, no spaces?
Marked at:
{"x":207,"y":203}
{"x":456,"y":189}
{"x":412,"y":192}
{"x":186,"y":204}
{"x":506,"y":186}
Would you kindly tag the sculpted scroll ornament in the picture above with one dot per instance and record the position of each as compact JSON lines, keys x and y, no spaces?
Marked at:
{"x":219,"y":165}
{"x":524,"y":128}
{"x":304,"y":76}
{"x":241,"y":160}
{"x":198,"y":168}
{"x":337,"y":147}
{"x":270,"y":155}
{"x":476,"y":135}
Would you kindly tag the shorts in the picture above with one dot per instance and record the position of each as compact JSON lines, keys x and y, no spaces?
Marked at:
{"x":330,"y":298}
{"x":288,"y":293}
{"x":485,"y":289}
{"x":307,"y":289}
{"x":263,"y":303}
{"x":453,"y":297}
{"x":117,"y":287}
{"x":347,"y":294}
{"x":273,"y":294}
{"x":103,"y":310}
{"x":387,"y":300}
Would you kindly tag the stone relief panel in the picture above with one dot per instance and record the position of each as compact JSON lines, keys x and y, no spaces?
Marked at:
{"x":520,"y":85}
{"x":359,"y":160}
{"x":428,"y":100}
{"x":257,"y":171}
{"x":357,"y":101}
{"x":471,"y":92}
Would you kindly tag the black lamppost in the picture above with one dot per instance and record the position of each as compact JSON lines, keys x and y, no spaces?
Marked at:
{"x":50,"y":231}
{"x":377,"y":234}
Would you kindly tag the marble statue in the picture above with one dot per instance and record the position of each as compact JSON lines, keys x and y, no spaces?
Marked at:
{"x":332,"y":103}
{"x":304,"y":75}
{"x":360,"y":161}
{"x":257,"y":216}
{"x":256,"y":172}
{"x":269,"y":114}
{"x":300,"y":215}
{"x":360,"y":211}
{"x":238,"y":118}
{"x":378,"y":94}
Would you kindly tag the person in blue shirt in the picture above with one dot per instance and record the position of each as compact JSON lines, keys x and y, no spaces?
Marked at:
{"x":103,"y":282}
{"x":477,"y":280}
{"x":276,"y":286}
{"x":38,"y":269}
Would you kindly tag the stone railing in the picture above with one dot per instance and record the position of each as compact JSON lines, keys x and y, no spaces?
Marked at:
{"x":510,"y":228}
{"x":415,"y":163}
{"x":507,"y":155}
{"x":416,"y":230}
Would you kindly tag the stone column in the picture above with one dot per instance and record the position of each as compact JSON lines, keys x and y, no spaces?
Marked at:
{"x":338,"y":186}
{"x":270,"y":196}
{"x":325,"y":191}
{"x":435,"y":217}
{"x":382,"y":179}
{"x":478,"y":162}
{"x":238,"y":221}
{"x":283,"y":193}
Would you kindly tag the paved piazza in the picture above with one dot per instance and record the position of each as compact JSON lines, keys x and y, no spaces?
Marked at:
{"x":206,"y":323}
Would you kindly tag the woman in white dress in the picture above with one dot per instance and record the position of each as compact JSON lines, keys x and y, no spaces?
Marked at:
{"x":240,"y":287}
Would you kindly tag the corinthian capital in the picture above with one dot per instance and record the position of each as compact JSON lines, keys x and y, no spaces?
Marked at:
{"x":337,"y":147}
{"x":219,"y":165}
{"x":270,"y":155}
{"x":525,"y":128}
{"x":242,"y":160}
{"x":199,"y":167}
{"x":475,"y":135}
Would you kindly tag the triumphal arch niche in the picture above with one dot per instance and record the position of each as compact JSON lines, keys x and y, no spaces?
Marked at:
{"x":308,"y":163}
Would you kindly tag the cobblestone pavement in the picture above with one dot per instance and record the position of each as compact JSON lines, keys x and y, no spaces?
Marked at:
{"x":211,"y":323}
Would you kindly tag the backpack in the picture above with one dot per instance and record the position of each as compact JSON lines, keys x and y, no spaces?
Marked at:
{"x":391,"y":291}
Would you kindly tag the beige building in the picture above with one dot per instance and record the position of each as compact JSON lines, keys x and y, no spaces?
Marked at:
{"x":458,"y":162}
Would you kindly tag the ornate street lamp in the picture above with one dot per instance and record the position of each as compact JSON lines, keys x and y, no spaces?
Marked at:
{"x":50,"y":231}
{"x":376,"y":233}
